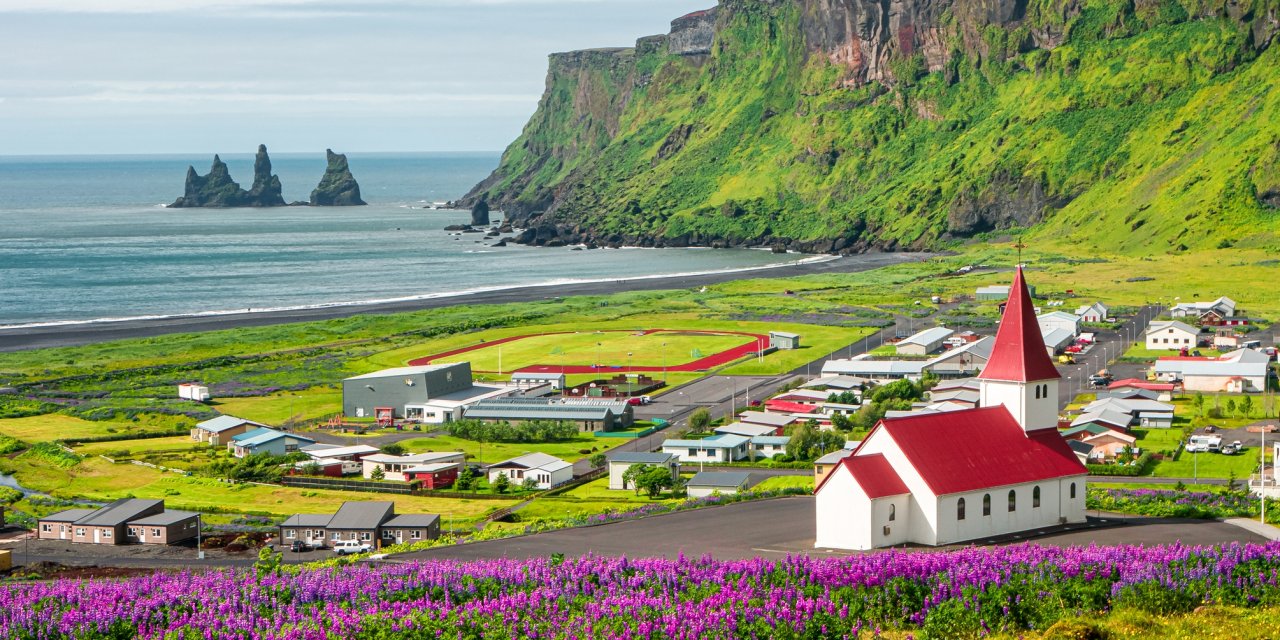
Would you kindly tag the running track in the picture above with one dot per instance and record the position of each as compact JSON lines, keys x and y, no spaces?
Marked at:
{"x":701,"y":364}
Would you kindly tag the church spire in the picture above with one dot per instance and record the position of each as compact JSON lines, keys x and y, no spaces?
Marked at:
{"x":1019,"y":353}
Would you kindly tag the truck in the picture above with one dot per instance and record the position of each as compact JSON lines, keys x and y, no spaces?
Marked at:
{"x":193,"y":392}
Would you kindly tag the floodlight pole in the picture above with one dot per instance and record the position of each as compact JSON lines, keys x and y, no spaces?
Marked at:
{"x":1262,"y":461}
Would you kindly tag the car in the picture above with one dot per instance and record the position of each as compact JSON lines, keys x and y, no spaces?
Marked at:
{"x":635,"y":402}
{"x":348,"y":547}
{"x":298,"y":546}
{"x":1228,"y":450}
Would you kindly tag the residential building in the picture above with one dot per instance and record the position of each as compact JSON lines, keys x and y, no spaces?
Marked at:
{"x":547,"y":471}
{"x":621,"y":461}
{"x":588,"y":413}
{"x":707,"y":483}
{"x":720,"y":448}
{"x":125,"y":521}
{"x":1228,"y":340}
{"x":218,"y":431}
{"x":965,"y":360}
{"x":768,"y":446}
{"x":775,"y":420}
{"x":924,"y":342}
{"x":791,"y":408}
{"x":1163,"y":390}
{"x":1242,"y":371}
{"x":748,"y":430}
{"x":1106,"y":446}
{"x":823,"y":465}
{"x":375,"y":523}
{"x":804,"y":396}
{"x":353,"y":453}
{"x":865,"y":367}
{"x":945,"y":478}
{"x":784,"y":340}
{"x":1059,"y":320}
{"x":1148,"y":414}
{"x":1056,"y":340}
{"x":1081,"y":449}
{"x":1171,"y":335}
{"x":836,"y":384}
{"x":1093,"y":313}
{"x":276,"y":443}
{"x":1223,"y":307}
{"x":1117,"y":420}
{"x":392,"y":389}
{"x":436,"y":470}
{"x":533,"y":379}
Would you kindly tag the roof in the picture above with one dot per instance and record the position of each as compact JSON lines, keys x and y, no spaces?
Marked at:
{"x":760,"y":417}
{"x":1059,"y":315}
{"x":308,"y":520}
{"x":994,"y":288}
{"x":223,"y":423}
{"x":1019,"y":354}
{"x":959,"y":395}
{"x":362,"y":515}
{"x":722,"y":441}
{"x":1056,"y":337}
{"x":837,"y":382}
{"x":164,"y":519}
{"x":1129,"y":405}
{"x":785,"y":334}
{"x":1123,"y":437}
{"x":433,"y":467}
{"x":417,"y":458}
{"x":636,"y":457}
{"x":863,"y":366}
{"x":980,"y":348}
{"x":412,"y":520}
{"x":790,"y":407}
{"x":407,"y":371}
{"x":802,"y":395}
{"x":834,"y":457}
{"x":1162,"y":325}
{"x":749,"y":430}
{"x":928,"y":337}
{"x":271,"y":436}
{"x":728,"y":479}
{"x":469,"y":395}
{"x":979,"y":449}
{"x":118,"y":512}
{"x":544,"y":408}
{"x":1091,"y":428}
{"x":533,"y":461}
{"x":1210,"y":367}
{"x":1141,"y":384}
{"x":774,"y":440}
{"x":1080,"y":447}
{"x":876,"y":476}
{"x":248,"y":435}
{"x":971,"y":384}
{"x":339,"y":452}
{"x":70,"y":515}
{"x":1105,"y":416}
{"x":536,"y":375}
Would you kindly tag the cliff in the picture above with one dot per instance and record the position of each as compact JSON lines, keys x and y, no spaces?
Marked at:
{"x":217,"y":189}
{"x":848,"y":125}
{"x":337,"y":188}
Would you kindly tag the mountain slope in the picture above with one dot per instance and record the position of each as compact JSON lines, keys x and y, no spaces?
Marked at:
{"x":843,"y":125}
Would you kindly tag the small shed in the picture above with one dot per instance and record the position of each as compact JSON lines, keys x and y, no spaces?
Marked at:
{"x":722,"y":482}
{"x":784,"y":340}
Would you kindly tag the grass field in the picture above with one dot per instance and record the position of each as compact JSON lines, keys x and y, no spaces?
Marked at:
{"x":143,"y":446}
{"x":1210,"y":465}
{"x":605,"y":348}
{"x":56,"y":426}
{"x":283,"y":407}
{"x":784,"y":482}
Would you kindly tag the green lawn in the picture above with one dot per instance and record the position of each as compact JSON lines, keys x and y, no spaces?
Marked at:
{"x":491,"y":452}
{"x":604,"y":348}
{"x":280,"y":408}
{"x":785,"y":482}
{"x":55,"y":426}
{"x":1210,"y":465}
{"x":144,"y":446}
{"x":1139,"y":351}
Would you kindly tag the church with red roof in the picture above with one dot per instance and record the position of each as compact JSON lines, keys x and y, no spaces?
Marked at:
{"x":946,"y":478}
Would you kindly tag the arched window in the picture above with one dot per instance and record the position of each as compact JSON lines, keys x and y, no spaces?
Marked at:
{"x":960,"y":509}
{"x":1073,"y":491}
{"x":1035,"y":498}
{"x":986,"y":505}
{"x":893,"y":512}
{"x":1013,"y":501}
{"x":1037,"y":392}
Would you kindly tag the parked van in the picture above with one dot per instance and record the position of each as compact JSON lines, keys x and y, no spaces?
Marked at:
{"x":345,"y":547}
{"x":1204,"y":443}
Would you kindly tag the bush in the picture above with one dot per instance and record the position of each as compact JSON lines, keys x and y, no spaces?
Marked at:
{"x":531,"y":431}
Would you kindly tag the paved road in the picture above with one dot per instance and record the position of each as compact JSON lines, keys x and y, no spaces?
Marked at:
{"x":786,"y":526}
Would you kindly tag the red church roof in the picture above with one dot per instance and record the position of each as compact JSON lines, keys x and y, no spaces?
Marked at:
{"x":876,"y":476}
{"x":1019,"y":354}
{"x":979,"y":449}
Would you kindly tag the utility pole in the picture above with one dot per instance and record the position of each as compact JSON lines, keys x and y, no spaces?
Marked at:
{"x":1262,"y":460}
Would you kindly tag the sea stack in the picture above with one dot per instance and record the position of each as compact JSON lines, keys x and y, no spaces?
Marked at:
{"x":218,"y":190}
{"x":338,"y":188}
{"x":480,"y":213}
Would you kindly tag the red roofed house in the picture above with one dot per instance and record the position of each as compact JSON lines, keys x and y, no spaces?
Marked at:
{"x":944,"y":478}
{"x":783,"y":406}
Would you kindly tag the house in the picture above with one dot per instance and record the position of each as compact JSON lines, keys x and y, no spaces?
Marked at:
{"x":967,"y":397}
{"x":969,"y":384}
{"x":1241,"y":371}
{"x":436,"y":470}
{"x":1056,"y":340}
{"x":1106,"y":446}
{"x":775,"y":420}
{"x":450,"y":407}
{"x":792,"y":408}
{"x":1081,"y":449}
{"x":823,"y":465}
{"x":966,"y":360}
{"x":1223,"y":307}
{"x":864,"y":367}
{"x":720,"y":448}
{"x":375,"y":523}
{"x":1164,"y":390}
{"x":590,"y":414}
{"x":960,"y":339}
{"x":127,"y":520}
{"x":1093,"y":313}
{"x":532,"y":379}
{"x":621,"y":461}
{"x":1086,"y":430}
{"x":836,"y":384}
{"x":924,"y":342}
{"x":218,"y":431}
{"x":395,"y":388}
{"x":768,"y":446}
{"x":545,"y":470}
{"x":1059,"y":320}
{"x":784,"y":340}
{"x":1171,"y":335}
{"x":1228,"y":340}
{"x":276,"y":443}
{"x":945,"y":478}
{"x":804,"y":396}
{"x":193,"y":392}
{"x":1149,"y":414}
{"x":1118,"y":420}
{"x":707,"y":483}
{"x":748,"y":430}
{"x":353,"y":453}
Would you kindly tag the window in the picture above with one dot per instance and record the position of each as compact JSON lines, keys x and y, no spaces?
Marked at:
{"x":366,"y":536}
{"x":337,"y":535}
{"x":133,"y":531}
{"x":1073,"y":491}
{"x":693,"y":453}
{"x":893,"y":512}
{"x":106,"y":533}
{"x":79,"y":531}
{"x":290,"y":448}
{"x":1013,"y":501}
{"x":415,"y":535}
{"x":155,"y":533}
{"x":1035,"y":498}
{"x":960,"y":509}
{"x":986,"y":505}
{"x":47,"y":528}
{"x":1037,"y":392}
{"x":290,"y":534}
{"x":387,"y":535}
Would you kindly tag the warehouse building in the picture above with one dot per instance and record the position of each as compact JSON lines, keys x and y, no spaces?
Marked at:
{"x":589,"y":414}
{"x":362,"y":396}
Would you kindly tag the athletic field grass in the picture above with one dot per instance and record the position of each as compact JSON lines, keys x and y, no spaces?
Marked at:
{"x":605,"y":348}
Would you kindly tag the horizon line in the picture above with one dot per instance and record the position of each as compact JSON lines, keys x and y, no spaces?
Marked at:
{"x":250,"y":153}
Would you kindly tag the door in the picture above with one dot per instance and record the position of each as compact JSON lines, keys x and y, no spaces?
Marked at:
{"x":64,"y":530}
{"x":399,"y":537}
{"x":97,"y":536}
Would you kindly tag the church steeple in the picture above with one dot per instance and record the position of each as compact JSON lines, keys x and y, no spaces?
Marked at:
{"x":1020,"y":375}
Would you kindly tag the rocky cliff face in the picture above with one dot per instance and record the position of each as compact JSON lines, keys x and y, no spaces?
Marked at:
{"x":338,"y":188}
{"x":480,"y":213}
{"x":218,"y":190}
{"x":846,"y":125}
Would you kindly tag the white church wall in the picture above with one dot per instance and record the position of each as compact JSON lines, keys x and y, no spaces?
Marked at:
{"x":923,"y":507}
{"x":1055,"y":504}
{"x":886,"y":532}
{"x":842,"y":507}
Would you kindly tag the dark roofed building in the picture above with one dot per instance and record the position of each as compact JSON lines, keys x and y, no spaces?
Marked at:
{"x":118,"y":523}
{"x":589,"y":415}
{"x":706,"y":483}
{"x":372,"y":522}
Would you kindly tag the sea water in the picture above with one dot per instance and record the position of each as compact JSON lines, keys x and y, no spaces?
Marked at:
{"x":89,"y":238}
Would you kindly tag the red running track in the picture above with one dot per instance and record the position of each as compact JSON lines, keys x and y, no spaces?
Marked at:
{"x":715,"y":360}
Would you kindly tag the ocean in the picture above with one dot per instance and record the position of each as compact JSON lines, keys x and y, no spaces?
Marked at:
{"x":88,"y":239}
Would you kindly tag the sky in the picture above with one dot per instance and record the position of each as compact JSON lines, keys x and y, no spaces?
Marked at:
{"x":182,"y":76}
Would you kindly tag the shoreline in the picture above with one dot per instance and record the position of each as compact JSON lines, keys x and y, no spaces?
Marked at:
{"x":78,"y":333}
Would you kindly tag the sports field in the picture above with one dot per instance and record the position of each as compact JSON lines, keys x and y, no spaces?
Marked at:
{"x":605,"y":351}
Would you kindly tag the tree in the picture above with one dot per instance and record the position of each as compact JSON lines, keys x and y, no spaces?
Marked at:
{"x":466,"y":479}
{"x":1197,"y":401}
{"x":654,"y":480}
{"x":841,"y":422}
{"x":631,"y":474}
{"x":929,"y":380}
{"x":700,"y":419}
{"x":1246,"y":406}
{"x":311,"y":469}
{"x":529,"y":484}
{"x":501,"y":484}
{"x":393,"y":449}
{"x":268,"y":562}
{"x":1231,"y":406}
{"x":598,"y":460}
{"x":898,"y":390}
{"x":377,"y":474}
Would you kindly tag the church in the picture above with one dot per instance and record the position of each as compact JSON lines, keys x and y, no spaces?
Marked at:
{"x":945,"y":478}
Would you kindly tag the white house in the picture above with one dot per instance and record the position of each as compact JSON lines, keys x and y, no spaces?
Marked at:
{"x":1059,"y":320}
{"x":1096,"y":312}
{"x":924,"y":342}
{"x":531,"y":379}
{"x":1171,"y":335}
{"x":721,"y":448}
{"x":748,"y":430}
{"x":945,"y":478}
{"x":621,"y":461}
{"x":1224,"y":306}
{"x":775,"y":420}
{"x":962,"y":361}
{"x":706,"y":483}
{"x":1240,"y":371}
{"x":401,"y":468}
{"x":546,"y":470}
{"x":450,"y":407}
{"x":769,"y":446}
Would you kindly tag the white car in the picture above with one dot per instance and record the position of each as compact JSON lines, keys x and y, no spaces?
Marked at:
{"x":345,"y":547}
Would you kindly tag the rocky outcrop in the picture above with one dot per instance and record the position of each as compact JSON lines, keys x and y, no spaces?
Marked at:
{"x":693,"y":34}
{"x":338,"y":188}
{"x":218,"y":190}
{"x":1007,"y":202}
{"x":480,"y":213}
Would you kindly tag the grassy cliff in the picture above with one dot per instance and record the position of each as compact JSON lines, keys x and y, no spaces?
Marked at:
{"x":1112,"y":125}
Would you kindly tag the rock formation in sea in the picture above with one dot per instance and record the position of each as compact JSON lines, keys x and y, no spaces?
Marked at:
{"x":480,"y":213}
{"x":218,"y":190}
{"x":338,"y":188}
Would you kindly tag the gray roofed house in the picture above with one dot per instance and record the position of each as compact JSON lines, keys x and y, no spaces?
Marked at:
{"x":924,"y":342}
{"x":362,"y":515}
{"x":121,"y":511}
{"x":748,"y":430}
{"x":164,"y":519}
{"x":767,"y":419}
{"x":590,"y":415}
{"x":122,"y":521}
{"x":865,"y":367}
{"x":414,"y":520}
{"x":308,"y":520}
{"x":725,"y":482}
{"x":543,"y":470}
{"x":962,"y":361}
{"x":217,"y":431}
{"x":70,"y":515}
{"x":372,"y":522}
{"x":636,"y":457}
{"x":621,"y":461}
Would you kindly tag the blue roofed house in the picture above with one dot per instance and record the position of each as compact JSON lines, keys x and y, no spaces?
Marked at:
{"x":768,"y":446}
{"x":218,"y":431}
{"x":266,"y":440}
{"x":721,"y":448}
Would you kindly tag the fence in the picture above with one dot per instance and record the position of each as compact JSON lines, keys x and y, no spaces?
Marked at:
{"x":629,"y":434}
{"x":369,"y":486}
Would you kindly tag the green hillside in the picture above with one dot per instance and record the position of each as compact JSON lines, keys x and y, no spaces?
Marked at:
{"x":1128,"y":127}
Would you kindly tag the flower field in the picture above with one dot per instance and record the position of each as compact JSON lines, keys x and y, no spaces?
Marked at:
{"x":958,"y":594}
{"x":1174,"y":504}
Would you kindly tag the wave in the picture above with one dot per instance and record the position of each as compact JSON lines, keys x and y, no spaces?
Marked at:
{"x":426,"y":296}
